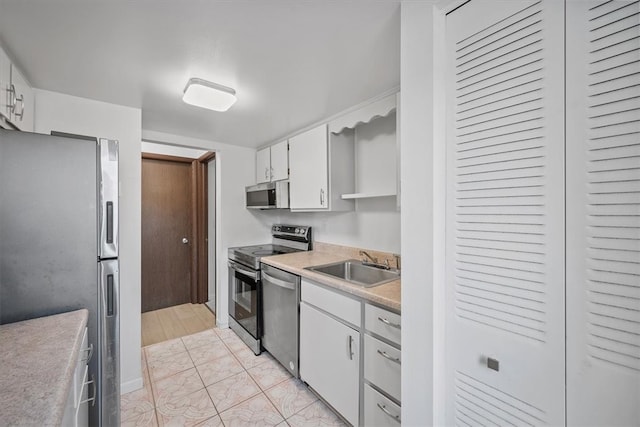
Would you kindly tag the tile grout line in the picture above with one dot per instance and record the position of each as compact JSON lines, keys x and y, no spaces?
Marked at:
{"x":202,"y":380}
{"x":245,"y":369}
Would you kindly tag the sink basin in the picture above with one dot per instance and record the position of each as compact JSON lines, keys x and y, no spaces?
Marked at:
{"x":354,"y":271}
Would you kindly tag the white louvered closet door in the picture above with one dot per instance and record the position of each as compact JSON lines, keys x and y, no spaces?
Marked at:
{"x":603,"y":213}
{"x":505,"y":213}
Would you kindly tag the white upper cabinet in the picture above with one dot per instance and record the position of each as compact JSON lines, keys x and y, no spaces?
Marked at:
{"x":272,"y":163}
{"x":321,"y":169}
{"x":23,"y":112}
{"x":308,"y":184}
{"x":16,"y":96}
{"x":263,"y":165}
{"x":280,"y":161}
{"x":5,"y":85}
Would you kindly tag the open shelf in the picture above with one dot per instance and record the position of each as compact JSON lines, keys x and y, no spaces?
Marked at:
{"x":366,"y":195}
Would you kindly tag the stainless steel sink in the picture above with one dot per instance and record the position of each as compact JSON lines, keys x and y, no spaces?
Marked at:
{"x":354,"y":271}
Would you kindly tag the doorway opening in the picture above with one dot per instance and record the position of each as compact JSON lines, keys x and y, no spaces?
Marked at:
{"x":178,"y":242}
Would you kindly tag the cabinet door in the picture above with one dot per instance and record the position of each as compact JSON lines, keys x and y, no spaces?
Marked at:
{"x":505,"y":213}
{"x":603,"y":213}
{"x":280,"y":161}
{"x":329,"y":360}
{"x":24,"y":111}
{"x":263,"y":165}
{"x":309,"y":171}
{"x":5,"y":83}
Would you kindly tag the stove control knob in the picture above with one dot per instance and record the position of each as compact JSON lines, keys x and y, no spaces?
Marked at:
{"x":297,"y":230}
{"x":276,"y":228}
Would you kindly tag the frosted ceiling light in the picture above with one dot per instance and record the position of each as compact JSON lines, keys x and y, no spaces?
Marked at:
{"x":205,"y":94}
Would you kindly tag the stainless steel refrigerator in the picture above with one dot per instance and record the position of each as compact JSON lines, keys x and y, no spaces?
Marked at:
{"x":59,"y":244}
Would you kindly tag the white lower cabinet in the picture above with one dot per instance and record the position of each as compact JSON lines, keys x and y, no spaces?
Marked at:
{"x":76,"y":411}
{"x":334,"y":328}
{"x":379,"y":411}
{"x":330,"y":360}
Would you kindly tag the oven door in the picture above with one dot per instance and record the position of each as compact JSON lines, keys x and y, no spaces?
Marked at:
{"x":244,"y":297}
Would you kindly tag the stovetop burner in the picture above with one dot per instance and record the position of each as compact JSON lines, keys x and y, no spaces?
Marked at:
{"x":287,"y":239}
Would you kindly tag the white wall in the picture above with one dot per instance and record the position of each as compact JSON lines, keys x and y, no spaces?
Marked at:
{"x":56,"y":111}
{"x":375,"y":224}
{"x":171,"y":150}
{"x":422,"y":179}
{"x":235,"y":225}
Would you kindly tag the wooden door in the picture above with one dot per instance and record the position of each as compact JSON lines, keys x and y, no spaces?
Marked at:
{"x":603,"y":213}
{"x":505,"y":213}
{"x":309,"y":169}
{"x":166,"y":224}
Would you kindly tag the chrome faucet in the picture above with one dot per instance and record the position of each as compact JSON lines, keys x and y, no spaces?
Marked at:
{"x":365,"y":254}
{"x":373,"y":261}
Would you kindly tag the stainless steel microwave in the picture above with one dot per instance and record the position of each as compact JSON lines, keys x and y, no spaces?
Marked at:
{"x":270,"y":195}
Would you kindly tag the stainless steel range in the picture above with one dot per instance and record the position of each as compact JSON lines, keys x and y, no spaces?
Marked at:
{"x":245,"y":284}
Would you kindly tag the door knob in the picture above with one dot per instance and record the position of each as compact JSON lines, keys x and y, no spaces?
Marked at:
{"x":185,"y":240}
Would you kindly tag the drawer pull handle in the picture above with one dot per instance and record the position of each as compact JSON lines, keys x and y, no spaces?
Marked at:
{"x":89,"y":354}
{"x":95,"y":392}
{"x":386,"y":411}
{"x":386,"y":356}
{"x":386,"y":322}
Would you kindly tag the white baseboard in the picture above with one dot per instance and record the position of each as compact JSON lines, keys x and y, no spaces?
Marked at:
{"x":132,"y":385}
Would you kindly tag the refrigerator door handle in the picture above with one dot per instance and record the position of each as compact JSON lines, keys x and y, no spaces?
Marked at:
{"x":110,"y":301}
{"x":109,"y":331}
{"x":108,"y":191}
{"x":109,"y":222}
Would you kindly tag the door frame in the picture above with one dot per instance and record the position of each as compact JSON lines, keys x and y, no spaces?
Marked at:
{"x":199,"y":230}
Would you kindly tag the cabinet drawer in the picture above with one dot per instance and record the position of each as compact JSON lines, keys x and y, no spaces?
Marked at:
{"x":82,"y":405}
{"x":382,"y":322}
{"x":378,"y":410}
{"x":332,"y":302}
{"x":81,"y":366}
{"x":382,"y":366}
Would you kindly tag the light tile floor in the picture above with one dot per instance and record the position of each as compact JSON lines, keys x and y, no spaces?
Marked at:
{"x":213,"y":379}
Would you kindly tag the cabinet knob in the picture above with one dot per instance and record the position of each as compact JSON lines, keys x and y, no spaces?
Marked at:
{"x":493,"y":364}
{"x":185,"y":240}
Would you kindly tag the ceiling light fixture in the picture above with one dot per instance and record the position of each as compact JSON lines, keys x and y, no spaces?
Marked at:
{"x":205,"y":94}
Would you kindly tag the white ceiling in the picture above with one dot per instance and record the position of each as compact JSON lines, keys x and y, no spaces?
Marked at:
{"x":292,"y":62}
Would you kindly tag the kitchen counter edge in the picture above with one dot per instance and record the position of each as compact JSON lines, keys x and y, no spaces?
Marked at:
{"x":387,"y":295}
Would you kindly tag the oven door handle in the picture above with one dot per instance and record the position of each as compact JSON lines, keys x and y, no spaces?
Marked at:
{"x":278,"y":282}
{"x":235,"y":266}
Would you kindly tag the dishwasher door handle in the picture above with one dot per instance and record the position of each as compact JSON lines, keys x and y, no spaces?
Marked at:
{"x":278,"y":282}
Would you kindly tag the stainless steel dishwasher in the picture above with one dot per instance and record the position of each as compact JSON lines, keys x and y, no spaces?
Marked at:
{"x":280,"y":300}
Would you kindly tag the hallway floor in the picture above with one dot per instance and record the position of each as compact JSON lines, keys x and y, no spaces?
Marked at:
{"x":175,"y":322}
{"x":212,"y":378}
